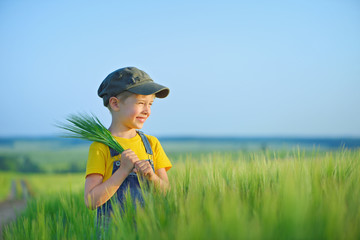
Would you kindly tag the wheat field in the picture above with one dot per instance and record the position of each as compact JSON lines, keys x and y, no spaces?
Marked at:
{"x":260,"y":195}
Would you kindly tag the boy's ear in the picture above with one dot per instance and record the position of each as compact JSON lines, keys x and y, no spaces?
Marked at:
{"x":114,"y":103}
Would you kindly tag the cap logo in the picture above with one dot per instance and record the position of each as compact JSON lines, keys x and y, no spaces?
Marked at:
{"x":136,"y":79}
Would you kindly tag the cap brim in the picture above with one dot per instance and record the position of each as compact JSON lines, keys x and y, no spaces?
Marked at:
{"x":151,"y":88}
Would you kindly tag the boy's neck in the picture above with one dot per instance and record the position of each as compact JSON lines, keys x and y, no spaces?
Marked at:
{"x":122,"y":132}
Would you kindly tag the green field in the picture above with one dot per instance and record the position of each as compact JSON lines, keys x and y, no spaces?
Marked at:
{"x":235,"y":195}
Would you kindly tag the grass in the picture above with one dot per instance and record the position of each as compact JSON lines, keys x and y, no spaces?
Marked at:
{"x":262,"y":195}
{"x":50,"y":184}
{"x":5,"y":183}
{"x":41,"y":184}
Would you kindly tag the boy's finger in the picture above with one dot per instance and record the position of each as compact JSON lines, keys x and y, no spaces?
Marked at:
{"x":141,"y":163}
{"x":141,"y":168}
{"x":144,"y":169}
{"x":145,"y":164}
{"x":147,"y":171}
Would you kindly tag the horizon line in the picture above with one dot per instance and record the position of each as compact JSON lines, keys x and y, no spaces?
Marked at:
{"x":199,"y":136}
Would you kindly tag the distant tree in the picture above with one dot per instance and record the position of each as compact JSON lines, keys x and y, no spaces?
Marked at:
{"x":72,"y":168}
{"x":75,"y":168}
{"x":18,"y":164}
{"x":29,"y":166}
{"x":9,"y":163}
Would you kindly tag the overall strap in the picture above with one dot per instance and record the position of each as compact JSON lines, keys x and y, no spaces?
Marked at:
{"x":146,"y":143}
{"x":113,"y":152}
{"x":147,"y":148}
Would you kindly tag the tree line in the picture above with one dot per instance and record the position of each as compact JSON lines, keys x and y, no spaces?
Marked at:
{"x":24,"y":164}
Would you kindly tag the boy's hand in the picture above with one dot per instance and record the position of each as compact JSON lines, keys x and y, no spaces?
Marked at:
{"x":145,"y":169}
{"x":128,"y":160}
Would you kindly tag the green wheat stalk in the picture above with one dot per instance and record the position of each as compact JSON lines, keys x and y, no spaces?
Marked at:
{"x":89,"y":127}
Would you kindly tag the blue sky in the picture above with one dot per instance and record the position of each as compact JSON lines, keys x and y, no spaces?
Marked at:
{"x":234,"y":68}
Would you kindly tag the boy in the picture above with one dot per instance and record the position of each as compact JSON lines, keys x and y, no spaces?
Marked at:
{"x":128,"y":93}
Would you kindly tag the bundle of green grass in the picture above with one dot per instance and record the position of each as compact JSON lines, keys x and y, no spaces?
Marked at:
{"x":89,"y":127}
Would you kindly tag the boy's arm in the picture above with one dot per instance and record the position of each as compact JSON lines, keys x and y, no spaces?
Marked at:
{"x":97,"y":192}
{"x":163,"y":181}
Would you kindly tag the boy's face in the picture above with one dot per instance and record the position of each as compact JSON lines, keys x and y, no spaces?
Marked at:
{"x":134,"y":111}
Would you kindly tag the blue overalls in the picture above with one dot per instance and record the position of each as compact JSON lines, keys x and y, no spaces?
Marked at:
{"x":131,"y":181}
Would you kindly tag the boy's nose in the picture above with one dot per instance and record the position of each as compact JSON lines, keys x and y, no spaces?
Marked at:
{"x":147,"y":109}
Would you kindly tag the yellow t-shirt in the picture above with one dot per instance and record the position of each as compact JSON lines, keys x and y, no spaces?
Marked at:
{"x":101,"y":162}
